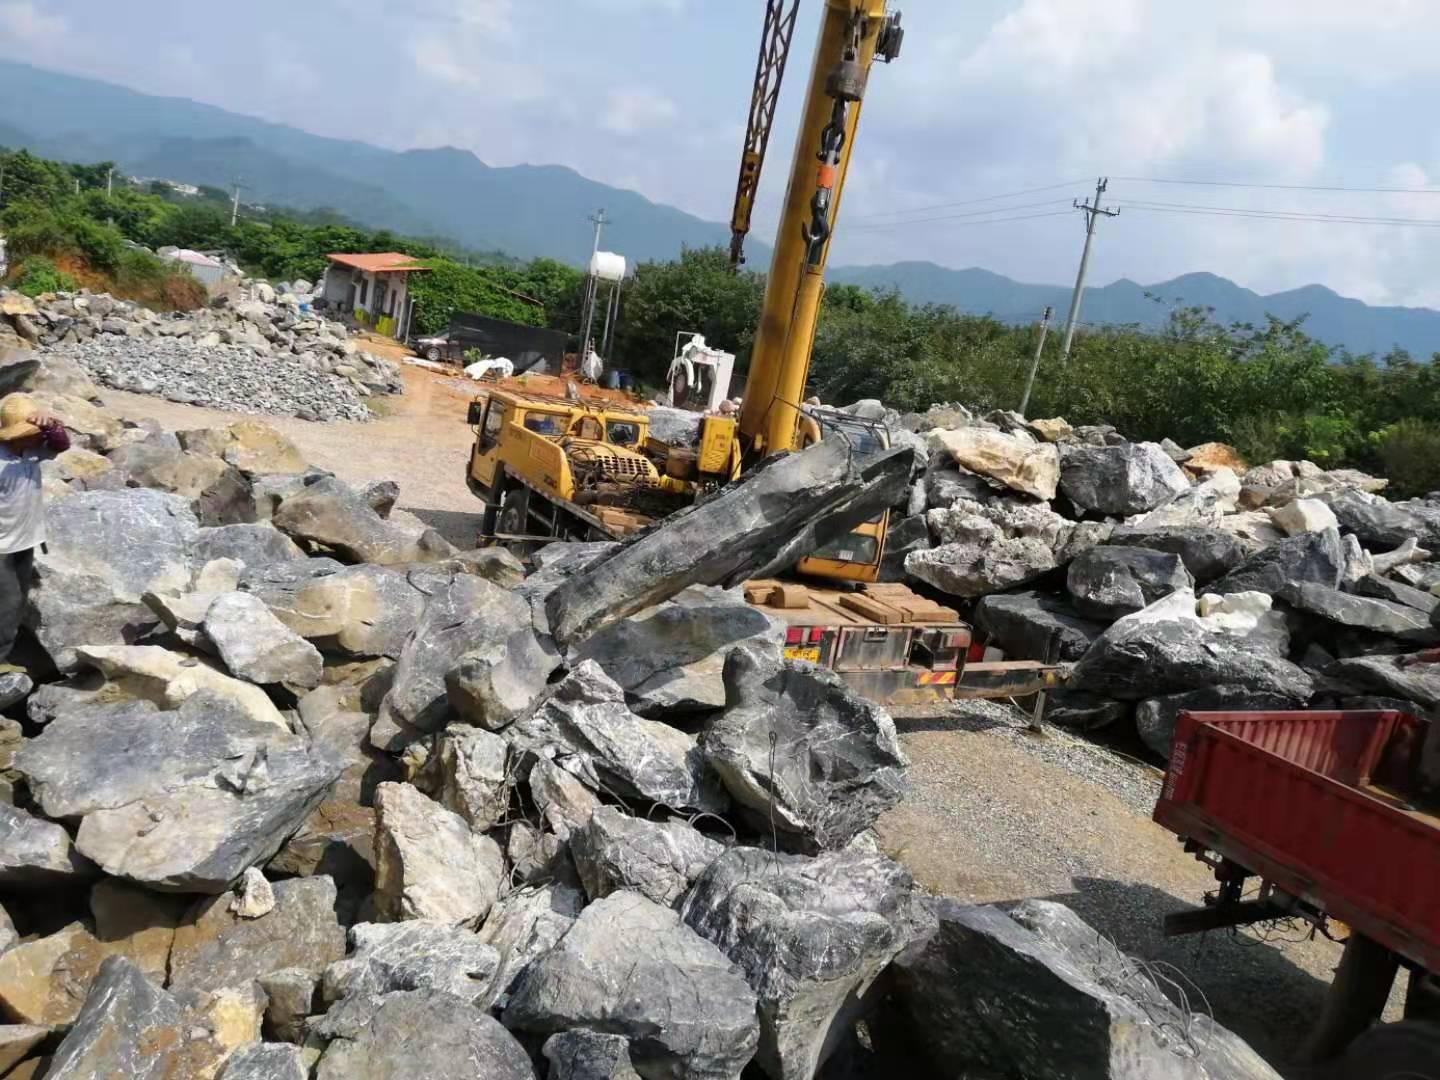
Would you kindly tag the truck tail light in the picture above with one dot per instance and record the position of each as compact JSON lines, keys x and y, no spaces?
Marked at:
{"x":816,"y":633}
{"x":794,"y":636}
{"x":975,"y":654}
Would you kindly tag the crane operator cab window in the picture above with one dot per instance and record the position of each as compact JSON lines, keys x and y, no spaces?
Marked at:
{"x":545,"y":424}
{"x":588,"y":427}
{"x":494,"y":424}
{"x":622,"y":433}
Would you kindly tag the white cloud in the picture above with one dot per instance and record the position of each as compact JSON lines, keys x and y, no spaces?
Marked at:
{"x":25,"y":23}
{"x":630,"y":112}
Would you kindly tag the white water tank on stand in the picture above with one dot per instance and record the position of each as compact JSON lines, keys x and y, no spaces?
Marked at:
{"x":607,"y":266}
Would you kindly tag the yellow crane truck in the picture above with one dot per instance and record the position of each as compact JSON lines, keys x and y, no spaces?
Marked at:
{"x":551,"y":468}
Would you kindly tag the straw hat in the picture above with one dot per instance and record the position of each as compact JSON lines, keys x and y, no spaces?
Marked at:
{"x":15,"y":413}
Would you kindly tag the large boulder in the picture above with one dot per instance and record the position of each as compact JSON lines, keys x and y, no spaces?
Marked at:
{"x":1208,"y":553}
{"x":469,"y":772}
{"x":130,"y":1027}
{"x":258,"y":647}
{"x":564,"y":802}
{"x":254,"y":544}
{"x":672,"y":657}
{"x":37,"y":853}
{"x":1383,"y":588}
{"x":469,"y":614}
{"x":1205,"y":504}
{"x":588,"y":1055}
{"x":1382,"y":674}
{"x":1379,"y":523}
{"x":585,"y":727}
{"x":1314,"y":557}
{"x":1017,"y":461}
{"x":838,"y":765}
{"x":104,"y":550}
{"x":660,"y":860}
{"x":978,"y":990}
{"x":137,"y":923}
{"x":335,"y":516}
{"x":169,"y":679}
{"x":946,"y":486}
{"x":182,"y":800}
{"x":1032,"y":626}
{"x":684,"y":1006}
{"x":525,"y":924}
{"x":980,"y":560}
{"x":1111,"y":581}
{"x":811,"y":936}
{"x":378,"y":1038}
{"x":428,"y":864}
{"x":1155,"y":718}
{"x":266,"y":1061}
{"x":1131,"y":478}
{"x":1365,"y":613}
{"x":1167,"y":648}
{"x":356,"y":611}
{"x":44,"y":980}
{"x":414,"y":955}
{"x":218,"y":946}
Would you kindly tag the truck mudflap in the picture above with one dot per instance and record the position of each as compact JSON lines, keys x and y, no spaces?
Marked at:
{"x":923,"y":686}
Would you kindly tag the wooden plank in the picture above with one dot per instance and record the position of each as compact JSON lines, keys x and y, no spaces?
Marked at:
{"x":790,"y":597}
{"x":872,"y":608}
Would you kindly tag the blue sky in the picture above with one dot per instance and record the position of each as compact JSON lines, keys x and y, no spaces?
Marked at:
{"x":990,"y":97}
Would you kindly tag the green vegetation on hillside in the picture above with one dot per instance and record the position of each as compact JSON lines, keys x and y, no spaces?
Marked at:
{"x":1271,"y":390}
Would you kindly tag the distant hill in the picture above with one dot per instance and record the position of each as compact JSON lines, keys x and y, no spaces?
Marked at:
{"x":540,"y":210}
{"x":1330,"y":317}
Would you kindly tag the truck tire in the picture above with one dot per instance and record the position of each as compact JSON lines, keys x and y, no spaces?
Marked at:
{"x":515,"y":512}
{"x":1409,"y":1049}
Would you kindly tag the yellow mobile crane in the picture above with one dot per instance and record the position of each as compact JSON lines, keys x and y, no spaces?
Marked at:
{"x":552,"y":468}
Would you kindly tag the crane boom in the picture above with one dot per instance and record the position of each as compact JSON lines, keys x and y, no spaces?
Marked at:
{"x":853,"y":34}
{"x":769,"y":75}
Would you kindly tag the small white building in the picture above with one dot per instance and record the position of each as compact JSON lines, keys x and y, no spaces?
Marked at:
{"x":208,"y":271}
{"x":374,"y":289}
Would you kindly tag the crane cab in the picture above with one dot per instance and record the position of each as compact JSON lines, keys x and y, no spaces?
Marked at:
{"x":856,"y":555}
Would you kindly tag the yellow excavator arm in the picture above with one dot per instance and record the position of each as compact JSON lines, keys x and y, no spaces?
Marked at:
{"x":853,"y":35}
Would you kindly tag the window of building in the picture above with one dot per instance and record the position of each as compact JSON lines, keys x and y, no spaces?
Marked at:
{"x":364,"y":290}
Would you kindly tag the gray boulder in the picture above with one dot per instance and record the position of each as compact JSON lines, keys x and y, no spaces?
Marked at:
{"x":216,"y":946}
{"x":355,"y":611}
{"x":104,"y":550}
{"x":979,"y":988}
{"x":802,"y":753}
{"x":1208,"y":553}
{"x":1383,"y":588}
{"x":1382,"y":675}
{"x":1029,"y":625}
{"x":468,"y":772}
{"x":182,"y":800}
{"x":685,"y":1008}
{"x":672,"y":657}
{"x":500,"y":680}
{"x":563,"y":801}
{"x":37,"y":853}
{"x":290,"y":999}
{"x":946,"y":486}
{"x":1379,"y":523}
{"x":332,"y":514}
{"x":1279,"y":570}
{"x":1365,"y":613}
{"x":811,"y":936}
{"x":428,"y":864}
{"x":255,"y":545}
{"x":585,"y":727}
{"x":1167,"y":649}
{"x":1155,"y":718}
{"x":660,"y":860}
{"x":1131,"y":478}
{"x":1109,"y":582}
{"x":1082,"y":711}
{"x":985,"y":561}
{"x":414,"y":955}
{"x":906,"y":535}
{"x":588,"y":1055}
{"x":525,"y":924}
{"x":470,"y":614}
{"x":258,"y":647}
{"x":266,"y":1061}
{"x":417,"y":1033}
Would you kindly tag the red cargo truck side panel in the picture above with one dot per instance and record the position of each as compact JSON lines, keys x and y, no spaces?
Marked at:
{"x":1282,"y":794}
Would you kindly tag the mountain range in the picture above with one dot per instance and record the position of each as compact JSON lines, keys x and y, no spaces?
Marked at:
{"x":539,"y":210}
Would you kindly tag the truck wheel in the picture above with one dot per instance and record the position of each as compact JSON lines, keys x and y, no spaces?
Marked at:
{"x":1409,"y":1049}
{"x":515,"y":513}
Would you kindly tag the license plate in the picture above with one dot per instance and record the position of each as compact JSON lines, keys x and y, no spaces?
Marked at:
{"x":800,"y":652}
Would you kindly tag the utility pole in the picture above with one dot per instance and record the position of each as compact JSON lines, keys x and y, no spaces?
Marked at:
{"x":1035,"y":363}
{"x":1093,"y":213}
{"x":110,"y":181}
{"x":592,"y":287}
{"x":599,"y":219}
{"x":235,"y":205}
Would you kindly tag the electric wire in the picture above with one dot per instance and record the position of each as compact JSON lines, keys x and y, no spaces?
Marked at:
{"x":954,"y":222}
{"x":971,"y":202}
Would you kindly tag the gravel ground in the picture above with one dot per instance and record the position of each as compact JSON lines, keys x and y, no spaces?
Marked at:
{"x":996,"y":814}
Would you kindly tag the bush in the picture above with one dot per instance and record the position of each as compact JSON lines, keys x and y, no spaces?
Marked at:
{"x":39,"y":275}
{"x":1408,"y":453}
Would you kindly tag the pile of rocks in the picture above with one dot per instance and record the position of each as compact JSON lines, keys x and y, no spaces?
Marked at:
{"x":1172,"y":578}
{"x":251,"y":351}
{"x":299,"y":789}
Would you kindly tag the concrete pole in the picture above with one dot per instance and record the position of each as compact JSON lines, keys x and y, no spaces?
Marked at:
{"x":592,"y":289}
{"x":110,"y":182}
{"x":1093,"y":213}
{"x":235,"y":206}
{"x":1035,"y":363}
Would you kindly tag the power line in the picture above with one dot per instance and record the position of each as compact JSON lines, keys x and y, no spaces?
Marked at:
{"x":1281,"y":187}
{"x":966,"y":214}
{"x":1279,"y":215}
{"x":969,"y":202}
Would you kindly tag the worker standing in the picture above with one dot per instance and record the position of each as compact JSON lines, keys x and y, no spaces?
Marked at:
{"x":27,"y":437}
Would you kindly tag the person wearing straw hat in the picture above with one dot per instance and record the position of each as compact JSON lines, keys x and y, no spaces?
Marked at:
{"x":27,"y":437}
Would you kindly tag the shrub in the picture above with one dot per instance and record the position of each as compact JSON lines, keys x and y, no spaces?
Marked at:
{"x":39,"y":275}
{"x":1409,"y":454}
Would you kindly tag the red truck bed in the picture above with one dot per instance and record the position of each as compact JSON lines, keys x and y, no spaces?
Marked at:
{"x":1314,"y":803}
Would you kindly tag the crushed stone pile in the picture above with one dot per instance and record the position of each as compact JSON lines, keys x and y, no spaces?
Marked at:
{"x":294,"y":788}
{"x":252,"y":351}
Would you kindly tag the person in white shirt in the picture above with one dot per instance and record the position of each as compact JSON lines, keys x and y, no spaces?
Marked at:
{"x":27,"y":437}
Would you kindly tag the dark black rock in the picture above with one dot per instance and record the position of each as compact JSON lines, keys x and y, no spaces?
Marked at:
{"x":1207,"y":553}
{"x":1026,"y":626}
{"x":1316,"y":557}
{"x":1110,"y":582}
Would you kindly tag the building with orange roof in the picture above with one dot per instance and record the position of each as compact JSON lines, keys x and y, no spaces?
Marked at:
{"x":373,"y":288}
